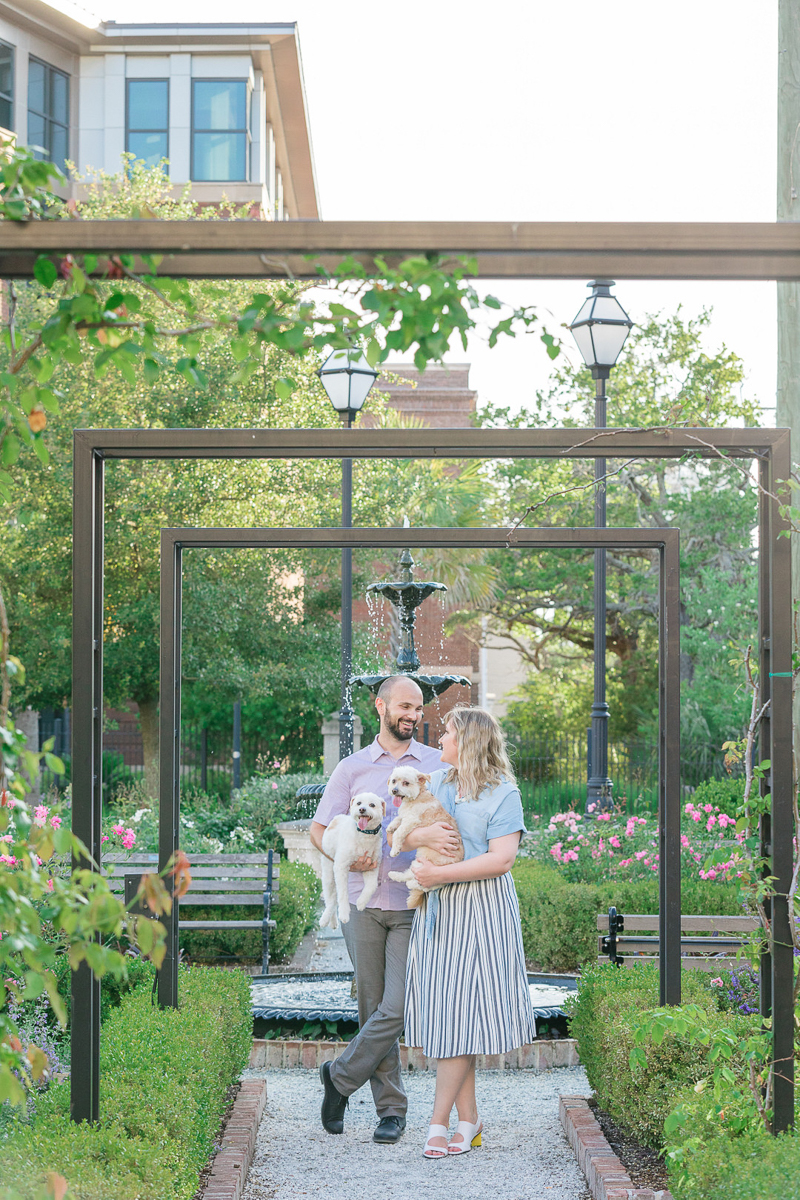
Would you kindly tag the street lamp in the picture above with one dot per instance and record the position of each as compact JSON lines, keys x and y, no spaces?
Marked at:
{"x":347,"y":378}
{"x":600,"y":330}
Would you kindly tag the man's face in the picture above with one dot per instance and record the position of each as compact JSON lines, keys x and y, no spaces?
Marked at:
{"x":401,"y":713}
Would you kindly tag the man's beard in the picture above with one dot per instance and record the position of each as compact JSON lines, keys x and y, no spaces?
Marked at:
{"x":396,"y":730}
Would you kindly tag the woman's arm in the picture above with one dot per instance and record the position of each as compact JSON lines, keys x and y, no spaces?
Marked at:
{"x":438,"y":837}
{"x":498,"y":859}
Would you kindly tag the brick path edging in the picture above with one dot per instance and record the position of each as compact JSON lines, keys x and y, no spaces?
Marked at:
{"x":605,"y":1174}
{"x":232,"y":1160}
{"x":538,"y":1056}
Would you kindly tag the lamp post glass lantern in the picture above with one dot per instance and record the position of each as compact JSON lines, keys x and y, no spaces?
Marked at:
{"x":600,"y":330}
{"x":347,"y":378}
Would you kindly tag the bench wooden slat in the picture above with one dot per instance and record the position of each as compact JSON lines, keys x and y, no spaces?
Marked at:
{"x":224,"y":924}
{"x":639,"y":923}
{"x":212,"y":898}
{"x":692,"y":944}
{"x":227,"y":885}
{"x":132,"y":859}
{"x":691,"y":962}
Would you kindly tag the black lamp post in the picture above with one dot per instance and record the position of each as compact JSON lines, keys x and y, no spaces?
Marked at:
{"x":347,"y":378}
{"x":600,"y":329}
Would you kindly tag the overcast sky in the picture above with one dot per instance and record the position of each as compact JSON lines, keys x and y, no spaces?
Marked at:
{"x":531,"y":110}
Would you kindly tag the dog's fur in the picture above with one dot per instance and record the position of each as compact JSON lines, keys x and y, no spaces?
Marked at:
{"x":418,"y":807}
{"x":344,"y":842}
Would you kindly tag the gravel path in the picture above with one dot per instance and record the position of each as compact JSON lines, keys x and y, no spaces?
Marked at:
{"x":524,"y":1154}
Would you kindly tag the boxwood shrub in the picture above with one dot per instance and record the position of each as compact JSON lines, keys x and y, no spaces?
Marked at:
{"x":559,"y":918}
{"x":750,"y":1167}
{"x":610,"y":1003}
{"x":164,"y":1079}
{"x":294,"y":914}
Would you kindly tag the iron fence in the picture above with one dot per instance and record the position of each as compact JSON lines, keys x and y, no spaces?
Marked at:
{"x":552,"y":770}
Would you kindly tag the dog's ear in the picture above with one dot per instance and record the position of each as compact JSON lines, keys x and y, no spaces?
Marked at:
{"x":383,"y":807}
{"x":424,"y":778}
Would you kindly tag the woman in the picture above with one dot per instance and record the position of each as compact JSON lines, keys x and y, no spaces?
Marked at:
{"x":466,"y":985}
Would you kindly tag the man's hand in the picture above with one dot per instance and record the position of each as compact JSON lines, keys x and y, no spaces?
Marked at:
{"x":365,"y":863}
{"x":440,"y":837}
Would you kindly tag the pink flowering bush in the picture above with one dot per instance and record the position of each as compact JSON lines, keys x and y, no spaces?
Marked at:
{"x":612,"y":845}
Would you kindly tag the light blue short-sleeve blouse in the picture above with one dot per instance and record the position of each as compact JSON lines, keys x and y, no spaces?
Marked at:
{"x":497,"y":812}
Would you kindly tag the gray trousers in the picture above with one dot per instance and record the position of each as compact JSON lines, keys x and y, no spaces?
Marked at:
{"x":377,"y":942}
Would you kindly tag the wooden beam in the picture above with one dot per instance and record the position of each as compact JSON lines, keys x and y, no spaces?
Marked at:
{"x":525,"y":250}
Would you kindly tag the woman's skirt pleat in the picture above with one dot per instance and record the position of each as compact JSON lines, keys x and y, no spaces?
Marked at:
{"x":466,"y":985}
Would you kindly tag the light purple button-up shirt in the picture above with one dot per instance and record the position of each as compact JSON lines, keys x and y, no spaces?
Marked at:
{"x":368,"y":770}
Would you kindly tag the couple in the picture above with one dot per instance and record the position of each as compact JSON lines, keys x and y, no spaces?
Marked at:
{"x":460,"y":986}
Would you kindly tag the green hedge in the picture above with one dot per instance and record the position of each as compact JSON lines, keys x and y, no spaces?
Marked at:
{"x":294,"y":914}
{"x":610,"y":1003}
{"x":164,"y":1079}
{"x":754,"y":1166}
{"x":559,"y":919}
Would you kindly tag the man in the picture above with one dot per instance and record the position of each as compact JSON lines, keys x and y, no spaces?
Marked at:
{"x":377,"y":938}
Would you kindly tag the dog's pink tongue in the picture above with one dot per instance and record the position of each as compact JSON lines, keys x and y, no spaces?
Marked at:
{"x":363,"y":822}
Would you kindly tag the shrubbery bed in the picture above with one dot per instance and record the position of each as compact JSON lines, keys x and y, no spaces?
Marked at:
{"x":165,"y":1075}
{"x":706,"y":1158}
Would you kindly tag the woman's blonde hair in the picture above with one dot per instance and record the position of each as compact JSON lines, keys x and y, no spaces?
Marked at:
{"x":482,"y":758}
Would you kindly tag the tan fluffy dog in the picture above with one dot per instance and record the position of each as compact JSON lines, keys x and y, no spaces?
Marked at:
{"x":418,"y":808}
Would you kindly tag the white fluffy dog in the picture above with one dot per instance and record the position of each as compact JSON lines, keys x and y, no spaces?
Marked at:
{"x":348,"y":836}
{"x":418,"y":807}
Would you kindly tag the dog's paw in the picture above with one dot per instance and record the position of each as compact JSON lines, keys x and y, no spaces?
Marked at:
{"x":393,"y":853}
{"x":344,"y":915}
{"x":397,"y":876}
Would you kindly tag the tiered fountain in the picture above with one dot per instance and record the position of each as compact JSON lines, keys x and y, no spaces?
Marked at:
{"x":407,"y":594}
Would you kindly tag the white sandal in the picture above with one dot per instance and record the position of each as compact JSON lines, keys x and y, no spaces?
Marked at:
{"x":431,"y":1152}
{"x":471,"y":1135}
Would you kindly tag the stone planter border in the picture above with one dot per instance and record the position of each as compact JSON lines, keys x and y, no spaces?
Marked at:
{"x":232,"y":1161}
{"x":605,"y":1174}
{"x":537,"y":1056}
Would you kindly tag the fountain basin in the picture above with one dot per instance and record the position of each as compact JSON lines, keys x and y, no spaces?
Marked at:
{"x":325,"y":996}
{"x":431,"y":686}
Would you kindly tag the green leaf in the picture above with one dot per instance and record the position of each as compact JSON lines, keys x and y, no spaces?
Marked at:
{"x":284,"y":388}
{"x":44,"y":271}
{"x":11,"y":449}
{"x":41,"y":451}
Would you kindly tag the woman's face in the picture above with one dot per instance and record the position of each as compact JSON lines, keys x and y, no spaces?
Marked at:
{"x":449,"y":747}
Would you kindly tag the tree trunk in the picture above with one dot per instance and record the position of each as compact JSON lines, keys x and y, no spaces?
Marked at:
{"x":148,"y":722}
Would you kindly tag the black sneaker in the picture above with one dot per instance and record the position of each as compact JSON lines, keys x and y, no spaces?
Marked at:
{"x":390,"y":1129}
{"x":333,"y":1102}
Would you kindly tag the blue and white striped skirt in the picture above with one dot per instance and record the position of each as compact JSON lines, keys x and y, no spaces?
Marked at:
{"x":466,"y":985}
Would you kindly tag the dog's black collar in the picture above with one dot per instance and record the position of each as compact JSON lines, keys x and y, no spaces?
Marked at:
{"x":371,"y":830}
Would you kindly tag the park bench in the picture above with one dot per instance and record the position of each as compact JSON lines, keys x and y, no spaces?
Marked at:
{"x":710,"y":944}
{"x":217,"y":879}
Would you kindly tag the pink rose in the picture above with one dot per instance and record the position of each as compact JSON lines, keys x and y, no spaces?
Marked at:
{"x":716,"y":982}
{"x":40,"y":814}
{"x":118,"y":830}
{"x":274,"y":787}
{"x":49,"y":885}
{"x":55,"y":822}
{"x":615,"y":842}
{"x":129,"y":839}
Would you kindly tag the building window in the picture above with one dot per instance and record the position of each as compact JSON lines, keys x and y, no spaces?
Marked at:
{"x":220,"y":134}
{"x":147,"y":120}
{"x":6,"y":86}
{"x":48,"y":111}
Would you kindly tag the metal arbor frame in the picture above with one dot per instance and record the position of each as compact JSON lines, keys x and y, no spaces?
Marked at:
{"x":666,"y":541}
{"x":768,"y":446}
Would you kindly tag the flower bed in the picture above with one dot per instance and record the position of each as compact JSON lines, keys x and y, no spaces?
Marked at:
{"x":164,"y":1079}
{"x":611,"y":845}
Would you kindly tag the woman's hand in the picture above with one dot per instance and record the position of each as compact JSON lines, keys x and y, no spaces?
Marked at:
{"x":429,"y":875}
{"x":439,"y":837}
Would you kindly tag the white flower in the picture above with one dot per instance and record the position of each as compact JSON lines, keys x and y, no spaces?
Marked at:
{"x":137,"y":816}
{"x":243,"y":835}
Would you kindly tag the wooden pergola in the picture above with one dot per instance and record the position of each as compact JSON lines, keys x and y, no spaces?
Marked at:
{"x":253,"y":250}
